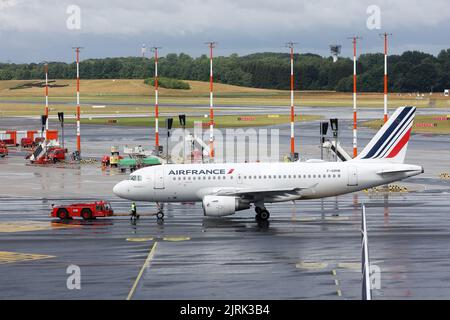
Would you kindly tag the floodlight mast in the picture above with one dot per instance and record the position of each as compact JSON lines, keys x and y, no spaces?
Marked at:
{"x":46,"y":99}
{"x":355,"y":116}
{"x":290,"y":45}
{"x":155,"y":50}
{"x":77,"y":52}
{"x":385,"y":35}
{"x":211,"y":45}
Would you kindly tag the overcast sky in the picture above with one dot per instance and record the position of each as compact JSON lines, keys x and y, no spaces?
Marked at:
{"x":37,"y":30}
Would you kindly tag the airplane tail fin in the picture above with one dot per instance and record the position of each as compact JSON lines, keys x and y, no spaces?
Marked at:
{"x":391,"y":141}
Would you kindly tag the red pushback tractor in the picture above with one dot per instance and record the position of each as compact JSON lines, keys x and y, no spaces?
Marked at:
{"x":87,"y":211}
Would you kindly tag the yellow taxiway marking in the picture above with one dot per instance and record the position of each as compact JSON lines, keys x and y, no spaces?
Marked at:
{"x":176,"y":238}
{"x":311,"y":265}
{"x":24,"y":226}
{"x":140,"y":239}
{"x":12,"y":257}
{"x":350,"y":265}
{"x":336,"y":283}
{"x":144,"y":266}
{"x":169,"y":238}
{"x":336,"y":218}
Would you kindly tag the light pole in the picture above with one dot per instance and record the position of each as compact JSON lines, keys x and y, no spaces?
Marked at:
{"x":290,"y":45}
{"x":211,"y":45}
{"x":355,"y":118}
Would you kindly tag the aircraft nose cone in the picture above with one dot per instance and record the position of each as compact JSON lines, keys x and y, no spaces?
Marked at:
{"x":120,"y":189}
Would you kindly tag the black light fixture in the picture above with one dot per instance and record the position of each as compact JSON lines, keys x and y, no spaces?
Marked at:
{"x":324,"y":128}
{"x":61,"y":120}
{"x":169,"y":123}
{"x":61,"y":117}
{"x":43,"y":120}
{"x":182,"y":118}
{"x":334,"y":124}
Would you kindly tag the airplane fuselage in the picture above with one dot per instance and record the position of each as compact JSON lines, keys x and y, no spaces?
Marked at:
{"x":309,"y":180}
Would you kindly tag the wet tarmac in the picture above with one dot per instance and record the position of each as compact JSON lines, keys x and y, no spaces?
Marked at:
{"x":308,"y":250}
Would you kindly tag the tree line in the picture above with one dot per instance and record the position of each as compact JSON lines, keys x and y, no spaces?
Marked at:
{"x":412,"y":71}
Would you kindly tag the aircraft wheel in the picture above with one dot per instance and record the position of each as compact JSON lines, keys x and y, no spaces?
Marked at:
{"x":160,"y":215}
{"x":264,"y":215}
{"x":258,"y":210}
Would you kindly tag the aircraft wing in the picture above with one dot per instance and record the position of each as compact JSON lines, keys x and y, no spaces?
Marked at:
{"x":258,"y":192}
{"x":393,"y":171}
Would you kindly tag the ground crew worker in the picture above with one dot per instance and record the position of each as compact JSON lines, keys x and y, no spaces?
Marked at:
{"x":133,"y":212}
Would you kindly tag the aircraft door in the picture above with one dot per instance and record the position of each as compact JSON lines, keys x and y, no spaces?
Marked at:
{"x":352,"y":176}
{"x":158,"y":177}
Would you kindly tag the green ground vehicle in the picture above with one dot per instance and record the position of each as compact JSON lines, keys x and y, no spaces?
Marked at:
{"x":134,"y":164}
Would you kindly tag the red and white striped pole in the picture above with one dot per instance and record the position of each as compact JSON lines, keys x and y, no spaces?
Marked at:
{"x":385,"y":77}
{"x":355,"y":118}
{"x":77,"y":51}
{"x":211,"y":45}
{"x":291,"y":47}
{"x":46,"y":100}
{"x":155,"y":49}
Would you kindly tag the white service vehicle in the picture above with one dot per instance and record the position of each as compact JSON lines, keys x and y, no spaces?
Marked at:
{"x":226,"y":188}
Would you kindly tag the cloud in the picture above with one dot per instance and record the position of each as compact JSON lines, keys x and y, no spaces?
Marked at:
{"x":183,"y":17}
{"x":38,"y":29}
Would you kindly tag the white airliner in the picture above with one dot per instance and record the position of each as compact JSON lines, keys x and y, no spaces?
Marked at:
{"x":224,"y":189}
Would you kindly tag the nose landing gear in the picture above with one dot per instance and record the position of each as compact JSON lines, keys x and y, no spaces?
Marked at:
{"x":160,"y":212}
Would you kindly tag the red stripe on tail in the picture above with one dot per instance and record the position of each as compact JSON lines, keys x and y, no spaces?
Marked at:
{"x":400,"y":145}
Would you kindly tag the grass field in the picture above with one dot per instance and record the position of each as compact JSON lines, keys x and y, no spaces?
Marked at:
{"x":106,"y":91}
{"x":436,"y":124}
{"x":224,"y":121}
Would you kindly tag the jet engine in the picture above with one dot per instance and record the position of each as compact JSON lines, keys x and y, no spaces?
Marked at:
{"x":218,"y":206}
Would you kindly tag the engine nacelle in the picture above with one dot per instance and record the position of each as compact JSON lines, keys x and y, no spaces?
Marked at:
{"x":218,"y":206}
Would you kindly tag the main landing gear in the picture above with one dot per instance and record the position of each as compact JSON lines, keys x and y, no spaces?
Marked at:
{"x":262,"y":214}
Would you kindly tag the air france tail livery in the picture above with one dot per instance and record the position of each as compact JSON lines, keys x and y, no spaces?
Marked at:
{"x":224,"y":189}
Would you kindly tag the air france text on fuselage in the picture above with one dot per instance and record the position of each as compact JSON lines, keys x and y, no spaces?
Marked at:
{"x":199,"y":172}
